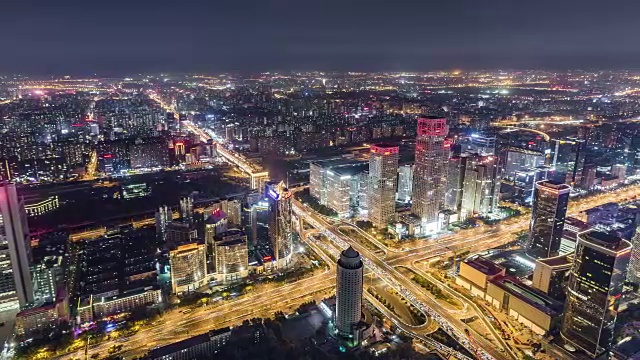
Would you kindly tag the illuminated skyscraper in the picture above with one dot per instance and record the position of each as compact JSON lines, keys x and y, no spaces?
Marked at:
{"x":186,"y":208}
{"x":550,"y":201}
{"x":633,"y":273}
{"x":15,"y":254}
{"x":405,"y":183}
{"x":594,"y":291}
{"x":279,"y":198}
{"x":349,"y":283}
{"x":188,"y":268}
{"x":231,"y":256}
{"x":383,"y":175}
{"x":430,"y":170}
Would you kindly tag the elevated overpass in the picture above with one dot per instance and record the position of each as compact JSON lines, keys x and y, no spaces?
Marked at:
{"x":257,"y":174}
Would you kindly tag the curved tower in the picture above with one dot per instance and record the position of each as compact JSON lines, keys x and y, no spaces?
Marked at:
{"x":349,"y":283}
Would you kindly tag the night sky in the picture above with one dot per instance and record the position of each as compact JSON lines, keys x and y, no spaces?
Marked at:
{"x":119,"y":37}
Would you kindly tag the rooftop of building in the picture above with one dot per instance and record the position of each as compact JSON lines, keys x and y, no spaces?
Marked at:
{"x":216,"y":216}
{"x":331,"y":163}
{"x":556,"y":185}
{"x":558,"y":261}
{"x":188,"y":343}
{"x":231,"y":237}
{"x":485,"y":266}
{"x":605,"y":240}
{"x":629,"y":347}
{"x":430,"y":117}
{"x":571,"y":221}
{"x":384,"y":145}
{"x":610,"y":206}
{"x":529,"y":295}
{"x":351,"y":170}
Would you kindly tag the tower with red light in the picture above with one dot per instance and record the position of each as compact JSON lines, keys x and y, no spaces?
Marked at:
{"x":430,"y":170}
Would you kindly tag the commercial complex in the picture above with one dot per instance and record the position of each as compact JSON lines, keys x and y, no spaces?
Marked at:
{"x":547,"y":219}
{"x":383,"y":175}
{"x":594,"y":291}
{"x":188,"y":267}
{"x":231,"y":256}
{"x":430,"y":170}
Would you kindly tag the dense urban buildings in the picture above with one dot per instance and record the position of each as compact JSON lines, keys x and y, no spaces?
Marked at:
{"x":219,"y":199}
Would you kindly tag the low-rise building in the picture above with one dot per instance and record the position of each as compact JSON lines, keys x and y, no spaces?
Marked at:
{"x":527,"y":305}
{"x":551,"y":275}
{"x":199,"y":346}
{"x":126,"y":302}
{"x":475,"y":274}
{"x":35,"y":320}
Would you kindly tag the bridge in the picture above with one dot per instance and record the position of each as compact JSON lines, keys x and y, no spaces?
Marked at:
{"x":257,"y":174}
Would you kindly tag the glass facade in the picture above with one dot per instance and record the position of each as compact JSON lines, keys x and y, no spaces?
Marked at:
{"x":594,"y":291}
{"x":383,"y":174}
{"x":547,"y":219}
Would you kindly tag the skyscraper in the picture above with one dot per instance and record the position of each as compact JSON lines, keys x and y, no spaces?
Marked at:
{"x":481,"y":186}
{"x":633,"y":273}
{"x":550,"y":201}
{"x":15,"y":251}
{"x":405,"y":183}
{"x":231,"y":256}
{"x":383,"y":175}
{"x":594,"y":291}
{"x":186,"y":208}
{"x":430,"y":170}
{"x":349,"y":283}
{"x":279,"y":198}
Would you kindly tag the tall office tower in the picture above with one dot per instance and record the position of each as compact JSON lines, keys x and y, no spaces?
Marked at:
{"x":405,"y":183}
{"x":279,"y":198}
{"x":383,"y":174}
{"x":550,"y":202}
{"x":430,"y":170}
{"x":568,"y":159}
{"x":594,"y":291}
{"x":231,"y":256}
{"x":188,"y":267}
{"x":633,"y":273}
{"x":164,"y":216}
{"x":455,"y":183}
{"x":481,"y":189}
{"x":186,"y":208}
{"x":15,"y":251}
{"x":349,"y":283}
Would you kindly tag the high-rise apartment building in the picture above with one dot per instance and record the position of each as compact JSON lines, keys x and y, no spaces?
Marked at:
{"x":279,"y":198}
{"x":550,"y":202}
{"x":15,"y":251}
{"x":164,"y":216}
{"x":383,"y":174}
{"x":349,"y":284}
{"x":594,"y":291}
{"x":430,"y":170}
